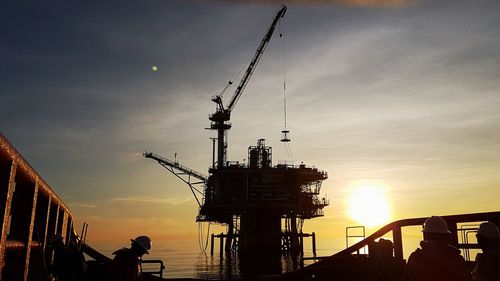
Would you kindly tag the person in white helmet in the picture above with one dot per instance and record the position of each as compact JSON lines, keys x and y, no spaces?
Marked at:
{"x":436,"y":260}
{"x":487,"y":266}
{"x":126,"y":265}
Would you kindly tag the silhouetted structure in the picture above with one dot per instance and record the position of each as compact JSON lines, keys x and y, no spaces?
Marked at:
{"x":252,"y":199}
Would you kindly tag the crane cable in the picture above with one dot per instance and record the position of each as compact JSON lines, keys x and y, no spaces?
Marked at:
{"x":243,"y":66}
{"x":238,"y":72}
{"x":282,"y":36}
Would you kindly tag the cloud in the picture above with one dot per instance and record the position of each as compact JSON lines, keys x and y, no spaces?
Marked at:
{"x":356,"y":3}
{"x":82,"y":205}
{"x":137,"y":199}
{"x":367,"y":3}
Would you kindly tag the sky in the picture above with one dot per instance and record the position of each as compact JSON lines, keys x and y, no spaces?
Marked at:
{"x":400,"y":98}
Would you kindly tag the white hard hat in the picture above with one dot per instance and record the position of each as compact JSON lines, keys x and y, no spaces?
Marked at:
{"x":437,"y":225}
{"x":488,"y":230}
{"x":143,"y":241}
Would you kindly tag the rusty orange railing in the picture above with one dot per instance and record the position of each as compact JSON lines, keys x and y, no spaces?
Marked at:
{"x":30,"y":212}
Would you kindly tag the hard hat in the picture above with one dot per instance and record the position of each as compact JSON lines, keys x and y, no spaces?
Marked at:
{"x":437,"y":225}
{"x":488,"y":230}
{"x":55,"y":238}
{"x":143,"y":241}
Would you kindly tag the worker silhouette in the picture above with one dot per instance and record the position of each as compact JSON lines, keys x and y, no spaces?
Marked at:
{"x":436,"y":260}
{"x":487,"y":266}
{"x":68,"y":263}
{"x":126,"y":265}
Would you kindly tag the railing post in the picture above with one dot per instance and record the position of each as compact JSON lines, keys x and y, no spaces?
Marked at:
{"x":6,"y":194}
{"x":30,"y":232}
{"x":46,"y":226}
{"x":398,"y":242}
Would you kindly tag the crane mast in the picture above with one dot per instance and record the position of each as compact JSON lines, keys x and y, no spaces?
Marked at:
{"x":220,"y":119}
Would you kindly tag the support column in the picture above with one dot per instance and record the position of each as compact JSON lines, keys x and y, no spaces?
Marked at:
{"x":295,"y":244}
{"x":260,"y":243}
{"x":221,"y":244}
{"x":314,"y":243}
{"x":229,"y":238}
{"x":212,"y":245}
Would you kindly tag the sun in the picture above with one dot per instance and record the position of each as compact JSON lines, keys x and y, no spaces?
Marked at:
{"x":368,"y":205}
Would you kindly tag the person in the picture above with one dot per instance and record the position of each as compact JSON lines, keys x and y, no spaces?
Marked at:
{"x":487,"y":265}
{"x":436,"y":260}
{"x":68,"y":263}
{"x":126,"y":265}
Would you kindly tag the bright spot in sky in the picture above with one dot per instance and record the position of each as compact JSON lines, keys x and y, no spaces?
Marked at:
{"x":369,"y":206}
{"x":155,"y":68}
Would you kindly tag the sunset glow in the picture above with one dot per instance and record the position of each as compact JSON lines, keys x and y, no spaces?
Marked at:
{"x":397,"y":100}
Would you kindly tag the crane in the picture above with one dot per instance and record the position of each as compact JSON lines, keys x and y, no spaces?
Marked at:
{"x":185,"y":174}
{"x":252,"y":200}
{"x":219,"y":122}
{"x":220,"y":119}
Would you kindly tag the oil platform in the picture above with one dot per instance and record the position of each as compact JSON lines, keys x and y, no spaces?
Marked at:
{"x":263,"y":205}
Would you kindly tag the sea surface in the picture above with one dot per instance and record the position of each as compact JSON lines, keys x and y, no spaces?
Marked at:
{"x":193,"y":263}
{"x":188,"y":260}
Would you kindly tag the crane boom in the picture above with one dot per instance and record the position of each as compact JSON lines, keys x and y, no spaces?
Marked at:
{"x":176,"y":165}
{"x":183,"y":173}
{"x":258,"y":54}
{"x":220,"y":119}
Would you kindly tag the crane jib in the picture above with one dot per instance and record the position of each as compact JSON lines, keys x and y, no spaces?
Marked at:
{"x":220,"y":119}
{"x":256,"y":58}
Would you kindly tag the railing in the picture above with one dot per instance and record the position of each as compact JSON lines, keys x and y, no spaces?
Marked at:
{"x":149,"y":270}
{"x":384,"y":259}
{"x":465,"y":231}
{"x":397,"y":226}
{"x":30,"y":214}
{"x":350,"y":236}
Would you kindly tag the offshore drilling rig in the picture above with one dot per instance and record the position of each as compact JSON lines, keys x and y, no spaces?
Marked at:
{"x":254,"y":198}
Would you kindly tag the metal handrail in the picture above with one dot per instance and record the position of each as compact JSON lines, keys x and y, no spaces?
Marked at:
{"x":159,"y":272}
{"x":396,"y":226}
{"x":347,"y":236}
{"x":466,"y":230}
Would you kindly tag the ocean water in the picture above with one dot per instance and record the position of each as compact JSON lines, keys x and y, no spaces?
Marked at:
{"x":193,"y":263}
{"x":186,"y":260}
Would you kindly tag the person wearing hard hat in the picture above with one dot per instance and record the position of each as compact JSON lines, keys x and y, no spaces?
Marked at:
{"x":487,"y":266}
{"x":436,"y":260}
{"x":126,"y":265}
